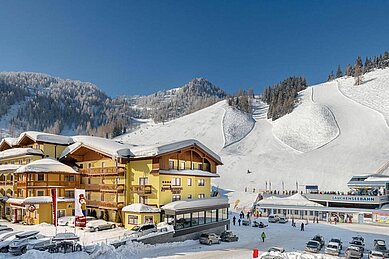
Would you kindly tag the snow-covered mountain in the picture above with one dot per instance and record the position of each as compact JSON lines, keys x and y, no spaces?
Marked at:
{"x":337,"y":130}
{"x":35,"y":101}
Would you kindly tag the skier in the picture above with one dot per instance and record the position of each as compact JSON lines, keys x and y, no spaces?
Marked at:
{"x":239,"y":221}
{"x":302,"y":226}
{"x":263,"y":236}
{"x":233,"y":220}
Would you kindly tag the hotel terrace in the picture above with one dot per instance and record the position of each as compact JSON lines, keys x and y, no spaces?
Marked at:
{"x":113,"y":174}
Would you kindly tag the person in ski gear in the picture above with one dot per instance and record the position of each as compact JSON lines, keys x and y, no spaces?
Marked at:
{"x":302,"y":226}
{"x":239,"y":221}
{"x":263,"y":236}
{"x":233,"y":220}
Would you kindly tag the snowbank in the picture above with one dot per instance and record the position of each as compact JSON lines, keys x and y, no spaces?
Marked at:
{"x":308,"y":127}
{"x":373,"y":93}
{"x":236,"y":125}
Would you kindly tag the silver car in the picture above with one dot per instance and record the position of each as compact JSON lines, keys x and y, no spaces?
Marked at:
{"x":97,"y":225}
{"x":209,"y":239}
{"x":313,"y":246}
{"x":332,"y":249}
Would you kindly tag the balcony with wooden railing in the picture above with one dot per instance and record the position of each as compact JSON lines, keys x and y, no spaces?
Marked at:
{"x":103,"y":187}
{"x":5,"y":183}
{"x":104,"y":204}
{"x":102,"y":171}
{"x":141,"y":189}
{"x":44,"y":184}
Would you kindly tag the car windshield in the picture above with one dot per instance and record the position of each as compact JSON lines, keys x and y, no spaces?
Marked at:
{"x":356,"y":242}
{"x":335,"y":240}
{"x":332,"y":246}
{"x":135,"y":228}
{"x":312,"y":244}
{"x":381,"y":247}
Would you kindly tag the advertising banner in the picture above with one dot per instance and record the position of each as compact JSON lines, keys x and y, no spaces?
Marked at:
{"x":80,"y":207}
{"x":55,"y":206}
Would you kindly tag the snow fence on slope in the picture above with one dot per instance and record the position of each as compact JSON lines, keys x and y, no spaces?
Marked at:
{"x":236,"y":125}
{"x":308,"y":127}
{"x":373,"y":92}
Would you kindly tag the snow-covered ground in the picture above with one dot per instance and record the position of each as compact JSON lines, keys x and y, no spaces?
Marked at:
{"x":236,"y":125}
{"x":292,"y":239}
{"x":374,"y":92}
{"x":361,"y":147}
{"x":308,"y":127}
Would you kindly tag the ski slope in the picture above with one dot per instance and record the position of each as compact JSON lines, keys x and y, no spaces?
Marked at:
{"x":356,"y":142}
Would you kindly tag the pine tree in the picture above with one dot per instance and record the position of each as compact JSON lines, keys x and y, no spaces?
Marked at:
{"x":330,"y":76}
{"x":339,"y":72}
{"x":358,"y":71}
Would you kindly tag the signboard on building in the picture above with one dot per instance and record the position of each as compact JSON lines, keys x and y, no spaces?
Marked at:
{"x":354,"y":198}
{"x":381,"y":217}
{"x":80,"y":207}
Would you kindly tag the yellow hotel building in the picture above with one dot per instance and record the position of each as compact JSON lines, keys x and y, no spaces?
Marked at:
{"x":113,"y":174}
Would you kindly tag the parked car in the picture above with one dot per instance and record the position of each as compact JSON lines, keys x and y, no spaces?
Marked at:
{"x":209,"y":238}
{"x":358,"y":243}
{"x":380,"y":246}
{"x":5,"y":239}
{"x":142,"y":230}
{"x":332,"y":248}
{"x":259,"y":225}
{"x":41,"y":244}
{"x":337,"y":240}
{"x":97,"y":225}
{"x":354,"y":252}
{"x":273,"y":218}
{"x":319,"y":239}
{"x":313,"y":246}
{"x":71,"y":221}
{"x":360,"y":238}
{"x":283,"y":220}
{"x":64,"y":243}
{"x":18,"y":245}
{"x":4,"y":229}
{"x":64,"y":221}
{"x":276,"y":249}
{"x":228,"y":236}
{"x":376,"y":255}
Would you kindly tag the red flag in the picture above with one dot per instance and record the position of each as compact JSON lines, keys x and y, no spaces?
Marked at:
{"x":54,"y":197}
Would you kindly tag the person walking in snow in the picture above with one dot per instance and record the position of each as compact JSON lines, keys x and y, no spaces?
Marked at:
{"x":248,"y":215}
{"x":302,"y":226}
{"x":233,"y":220}
{"x":239,"y":221}
{"x":293,"y":225}
{"x":263,"y":236}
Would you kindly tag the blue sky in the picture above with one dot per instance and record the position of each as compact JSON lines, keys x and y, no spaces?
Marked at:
{"x":138,"y":47}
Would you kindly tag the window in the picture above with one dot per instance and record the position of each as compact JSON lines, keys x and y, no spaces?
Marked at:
{"x":176,"y":181}
{"x":28,"y":161}
{"x":133,"y":219}
{"x":176,"y":197}
{"x":201,"y":196}
{"x":20,"y":162}
{"x":61,"y":213}
{"x":201,"y":182}
{"x":143,"y":180}
{"x":143,"y":199}
{"x":189,"y":196}
{"x":189,"y":181}
{"x":149,"y":219}
{"x":102,"y":164}
{"x":222,"y":214}
{"x":41,"y":177}
{"x":200,"y":167}
{"x":40,"y":193}
{"x":182,"y":165}
{"x":210,"y":216}
{"x":171,"y":164}
{"x":69,"y":178}
{"x":69,"y":193}
{"x":89,"y":165}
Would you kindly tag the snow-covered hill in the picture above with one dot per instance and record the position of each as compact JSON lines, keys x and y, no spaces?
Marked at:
{"x":337,"y":138}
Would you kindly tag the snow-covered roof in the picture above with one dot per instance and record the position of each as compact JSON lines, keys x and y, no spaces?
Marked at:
{"x":138,"y":207}
{"x":46,"y":165}
{"x":195,"y":204}
{"x":46,"y":138}
{"x":20,"y":152}
{"x":146,"y":151}
{"x":189,"y":172}
{"x":8,"y":168}
{"x":10,"y":141}
{"x":37,"y":200}
{"x":294,"y":200}
{"x":106,"y":146}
